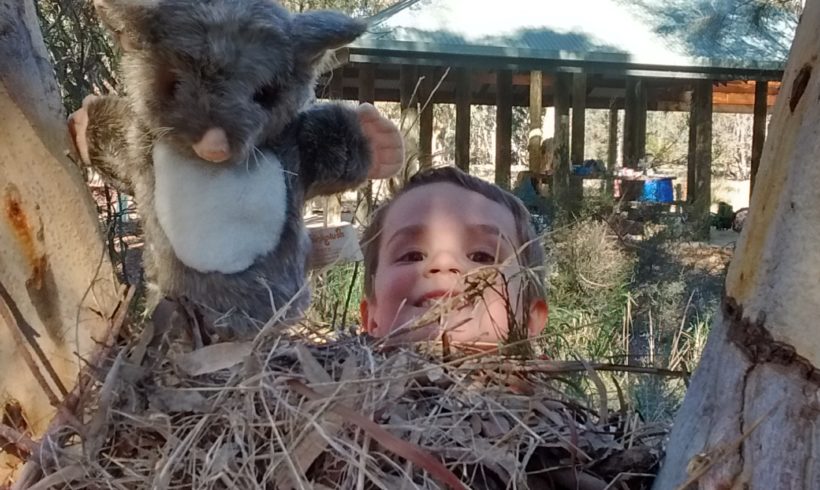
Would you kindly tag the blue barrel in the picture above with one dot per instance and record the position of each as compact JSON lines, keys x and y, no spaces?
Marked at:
{"x":658,"y":190}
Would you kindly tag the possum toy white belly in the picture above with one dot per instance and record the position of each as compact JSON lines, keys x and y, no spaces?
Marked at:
{"x":219,"y":219}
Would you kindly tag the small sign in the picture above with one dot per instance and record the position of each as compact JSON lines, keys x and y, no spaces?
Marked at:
{"x":333,"y":244}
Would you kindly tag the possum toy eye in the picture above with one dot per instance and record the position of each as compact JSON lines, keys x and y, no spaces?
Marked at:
{"x":167,"y":84}
{"x":266,"y":96}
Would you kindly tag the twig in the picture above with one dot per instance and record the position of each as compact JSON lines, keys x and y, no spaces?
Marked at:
{"x":564,"y":367}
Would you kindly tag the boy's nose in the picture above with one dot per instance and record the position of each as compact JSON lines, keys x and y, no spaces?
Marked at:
{"x":444,"y":263}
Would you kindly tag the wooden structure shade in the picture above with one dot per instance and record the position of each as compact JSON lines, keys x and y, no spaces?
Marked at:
{"x":474,"y":68}
{"x":505,"y":89}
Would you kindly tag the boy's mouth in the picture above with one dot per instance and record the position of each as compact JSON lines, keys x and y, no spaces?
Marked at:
{"x":436,"y":297}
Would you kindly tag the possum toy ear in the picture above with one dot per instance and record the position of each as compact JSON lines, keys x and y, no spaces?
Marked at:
{"x":320,"y":31}
{"x":124,"y":18}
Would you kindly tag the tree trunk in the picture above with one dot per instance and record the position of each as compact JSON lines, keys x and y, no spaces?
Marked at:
{"x":57,"y":286}
{"x":751,"y":417}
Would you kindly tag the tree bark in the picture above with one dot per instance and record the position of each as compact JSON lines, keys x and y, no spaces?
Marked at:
{"x":751,"y":417}
{"x":57,"y":286}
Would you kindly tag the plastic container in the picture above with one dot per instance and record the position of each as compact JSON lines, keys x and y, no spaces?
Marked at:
{"x":658,"y":190}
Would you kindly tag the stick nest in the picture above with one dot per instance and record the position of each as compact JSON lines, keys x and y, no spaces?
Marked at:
{"x":285,"y":413}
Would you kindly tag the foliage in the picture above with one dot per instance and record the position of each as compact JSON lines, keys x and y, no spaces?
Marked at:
{"x":337,"y":293}
{"x":83,"y":57}
{"x":646,"y":302}
{"x":588,"y":291}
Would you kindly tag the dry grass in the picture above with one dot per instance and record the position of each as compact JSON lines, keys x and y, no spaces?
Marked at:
{"x":283,"y":413}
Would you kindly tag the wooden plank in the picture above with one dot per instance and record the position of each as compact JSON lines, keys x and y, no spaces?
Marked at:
{"x":521,"y":98}
{"x":579,"y":103}
{"x":702,"y":104}
{"x":463,"y":93}
{"x":758,"y":130}
{"x":409,"y":122}
{"x":536,"y":121}
{"x":744,"y":87}
{"x":503,"y":129}
{"x":426,"y":105}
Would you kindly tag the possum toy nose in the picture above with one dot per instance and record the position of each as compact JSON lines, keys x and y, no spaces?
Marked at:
{"x":213,"y":146}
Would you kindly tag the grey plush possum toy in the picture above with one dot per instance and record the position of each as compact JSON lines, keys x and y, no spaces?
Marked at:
{"x":220,"y":143}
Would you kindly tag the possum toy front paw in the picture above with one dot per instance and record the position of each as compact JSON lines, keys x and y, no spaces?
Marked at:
{"x":77,"y":128}
{"x":384,"y":140}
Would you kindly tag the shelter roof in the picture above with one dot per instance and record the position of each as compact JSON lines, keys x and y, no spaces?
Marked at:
{"x":715,"y":38}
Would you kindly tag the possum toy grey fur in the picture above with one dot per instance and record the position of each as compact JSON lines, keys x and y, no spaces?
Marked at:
{"x":220,"y":143}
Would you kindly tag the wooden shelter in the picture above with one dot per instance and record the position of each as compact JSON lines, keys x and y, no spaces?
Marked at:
{"x":626,"y":55}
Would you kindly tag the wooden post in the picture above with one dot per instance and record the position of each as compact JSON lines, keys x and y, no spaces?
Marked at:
{"x":690,"y":156}
{"x":579,"y":104}
{"x":426,"y":120}
{"x":630,"y":106}
{"x":367,"y":93}
{"x":758,"y":129}
{"x":332,"y":205}
{"x":702,"y":108}
{"x":640,"y":120}
{"x":634,"y":146}
{"x":612,"y":153}
{"x":409,"y":104}
{"x":560,"y":141}
{"x":463,"y":96}
{"x":503,"y":128}
{"x":536,"y":121}
{"x":336,"y":86}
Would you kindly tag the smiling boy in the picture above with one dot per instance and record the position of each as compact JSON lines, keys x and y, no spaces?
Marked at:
{"x":453,"y":253}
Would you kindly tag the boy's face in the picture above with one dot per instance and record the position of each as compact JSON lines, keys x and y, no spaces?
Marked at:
{"x":433,"y":238}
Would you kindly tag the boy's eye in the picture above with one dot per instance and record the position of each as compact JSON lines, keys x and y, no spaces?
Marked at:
{"x":411,"y":257}
{"x":482,"y":257}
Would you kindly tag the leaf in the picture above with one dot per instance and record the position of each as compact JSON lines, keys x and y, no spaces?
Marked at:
{"x":213,"y":358}
{"x":314,"y":372}
{"x":177,"y":400}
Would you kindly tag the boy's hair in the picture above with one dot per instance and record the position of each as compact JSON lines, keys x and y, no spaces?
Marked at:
{"x":530,"y":250}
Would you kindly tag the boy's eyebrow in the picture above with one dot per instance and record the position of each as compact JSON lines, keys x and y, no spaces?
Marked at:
{"x":406,"y":232}
{"x":486,"y":229}
{"x":491,"y":230}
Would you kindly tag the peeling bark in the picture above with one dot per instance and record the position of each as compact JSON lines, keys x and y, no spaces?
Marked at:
{"x":750,"y":418}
